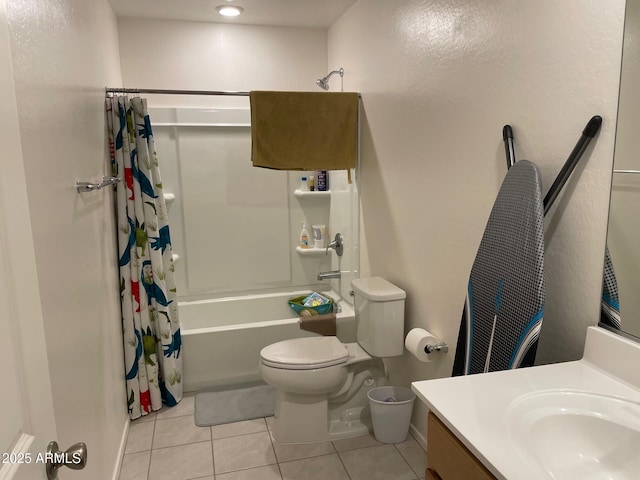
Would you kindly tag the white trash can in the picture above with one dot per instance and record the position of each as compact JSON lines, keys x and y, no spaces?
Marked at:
{"x":391,"y":413}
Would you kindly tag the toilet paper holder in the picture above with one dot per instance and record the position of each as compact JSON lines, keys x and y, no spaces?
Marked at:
{"x":421,"y":344}
{"x":438,"y":347}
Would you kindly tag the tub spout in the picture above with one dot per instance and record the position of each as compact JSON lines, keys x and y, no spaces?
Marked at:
{"x":328,"y":275}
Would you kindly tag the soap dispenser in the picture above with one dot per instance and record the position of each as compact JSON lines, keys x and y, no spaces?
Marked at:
{"x":304,"y":236}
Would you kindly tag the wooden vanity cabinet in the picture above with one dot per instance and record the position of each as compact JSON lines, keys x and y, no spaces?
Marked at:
{"x":448,"y":458}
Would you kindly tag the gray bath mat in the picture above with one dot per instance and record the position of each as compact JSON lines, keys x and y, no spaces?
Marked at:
{"x":234,"y":404}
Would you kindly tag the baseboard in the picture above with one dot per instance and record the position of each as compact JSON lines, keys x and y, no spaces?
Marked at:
{"x":123,"y":445}
{"x":21,"y":449}
{"x":418,"y":436}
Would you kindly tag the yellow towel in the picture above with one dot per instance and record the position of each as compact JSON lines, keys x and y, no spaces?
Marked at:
{"x":304,"y":130}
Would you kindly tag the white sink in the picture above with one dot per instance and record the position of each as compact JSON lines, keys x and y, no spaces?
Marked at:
{"x":570,"y":434}
{"x":567,"y":421}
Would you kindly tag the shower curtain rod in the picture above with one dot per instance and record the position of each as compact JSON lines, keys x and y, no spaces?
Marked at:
{"x":175,"y":92}
{"x":156,"y":91}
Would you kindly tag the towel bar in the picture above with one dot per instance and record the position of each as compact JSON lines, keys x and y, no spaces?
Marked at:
{"x":82,"y":187}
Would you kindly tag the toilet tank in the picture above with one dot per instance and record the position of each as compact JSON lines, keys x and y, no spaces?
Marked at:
{"x":379,"y":307}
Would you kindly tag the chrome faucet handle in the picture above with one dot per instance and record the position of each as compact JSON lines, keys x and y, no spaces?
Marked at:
{"x":337,"y":245}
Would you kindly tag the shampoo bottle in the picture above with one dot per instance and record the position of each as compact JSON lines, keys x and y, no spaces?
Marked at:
{"x":322,"y":181}
{"x":304,"y":236}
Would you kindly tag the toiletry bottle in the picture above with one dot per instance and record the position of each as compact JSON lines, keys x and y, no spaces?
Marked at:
{"x":304,"y":187}
{"x":304,"y":236}
{"x":311,"y":182}
{"x":322,"y":181}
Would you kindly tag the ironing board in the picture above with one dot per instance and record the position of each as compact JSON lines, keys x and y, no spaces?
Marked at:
{"x":503,"y":311}
{"x":610,"y":308}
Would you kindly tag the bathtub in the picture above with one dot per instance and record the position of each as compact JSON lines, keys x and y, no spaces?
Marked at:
{"x":222,"y":337}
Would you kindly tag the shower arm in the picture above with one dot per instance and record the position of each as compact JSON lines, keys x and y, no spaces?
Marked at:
{"x":340,"y":72}
{"x":323,"y":82}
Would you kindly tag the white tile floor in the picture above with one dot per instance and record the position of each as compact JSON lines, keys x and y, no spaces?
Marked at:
{"x":168,"y":445}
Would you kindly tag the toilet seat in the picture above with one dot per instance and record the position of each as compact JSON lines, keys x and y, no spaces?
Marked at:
{"x":305,"y":353}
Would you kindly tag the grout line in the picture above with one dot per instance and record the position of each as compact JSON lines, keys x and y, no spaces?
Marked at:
{"x":153,"y":433}
{"x":273,"y":447}
{"x":378,"y":444}
{"x":279,"y":471}
{"x":317,"y":456}
{"x":198,"y":478}
{"x":148,"y":464}
{"x":343,"y":465}
{"x":277,"y":462}
{"x":151,"y":451}
{"x":335,"y":450}
{"x":238,"y":434}
{"x":307,"y":458}
{"x":213,"y":455}
{"x":242,"y":469}
{"x":181,"y":445}
{"x":177,"y":416}
{"x":404,"y":458}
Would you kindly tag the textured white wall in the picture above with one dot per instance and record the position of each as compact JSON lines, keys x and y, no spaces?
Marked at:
{"x":439,"y":79}
{"x":209,"y":56}
{"x":11,"y":413}
{"x":64,"y":52}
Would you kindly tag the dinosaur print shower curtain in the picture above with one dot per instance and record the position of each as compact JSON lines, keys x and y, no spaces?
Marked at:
{"x":150,"y":324}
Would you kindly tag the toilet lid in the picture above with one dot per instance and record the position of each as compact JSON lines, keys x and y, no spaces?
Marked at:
{"x":305,"y":353}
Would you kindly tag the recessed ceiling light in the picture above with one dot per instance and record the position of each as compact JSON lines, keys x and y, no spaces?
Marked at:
{"x":229,"y":10}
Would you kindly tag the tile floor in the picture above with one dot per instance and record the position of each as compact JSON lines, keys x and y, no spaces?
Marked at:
{"x":168,"y":445}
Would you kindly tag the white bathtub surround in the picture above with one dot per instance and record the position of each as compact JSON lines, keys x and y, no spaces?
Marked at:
{"x":222,"y":338}
{"x":519,"y":423}
{"x":215,"y":185}
{"x":259,"y":205}
{"x":150,"y":323}
{"x":344,"y":217}
{"x":233,"y":224}
{"x":207,"y":143}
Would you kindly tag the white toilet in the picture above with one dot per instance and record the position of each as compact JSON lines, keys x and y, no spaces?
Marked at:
{"x":323,"y":383}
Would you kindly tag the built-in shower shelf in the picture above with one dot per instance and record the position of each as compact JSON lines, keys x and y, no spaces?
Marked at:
{"x":309,"y":194}
{"x":311,"y":251}
{"x":169,"y":198}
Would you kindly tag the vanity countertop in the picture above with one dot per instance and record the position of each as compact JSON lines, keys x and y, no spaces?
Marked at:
{"x":479,"y":409}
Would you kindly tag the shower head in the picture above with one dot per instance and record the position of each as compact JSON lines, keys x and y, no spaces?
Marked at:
{"x":323,"y":82}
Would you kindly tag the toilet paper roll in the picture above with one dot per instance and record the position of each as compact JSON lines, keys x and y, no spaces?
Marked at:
{"x":417,"y":339}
